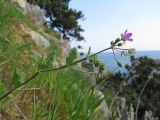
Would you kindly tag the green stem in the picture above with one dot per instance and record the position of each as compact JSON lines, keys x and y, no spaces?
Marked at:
{"x":139,"y":98}
{"x":9,"y":92}
{"x":51,"y":69}
{"x":114,"y":55}
{"x":15,"y":49}
{"x":78,"y":61}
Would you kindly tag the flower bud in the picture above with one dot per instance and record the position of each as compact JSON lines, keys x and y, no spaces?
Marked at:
{"x":119,"y":64}
{"x":112,"y":43}
{"x":117,"y":40}
{"x":120,"y":44}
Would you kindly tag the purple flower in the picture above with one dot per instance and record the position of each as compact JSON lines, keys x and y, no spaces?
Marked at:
{"x":126,"y":36}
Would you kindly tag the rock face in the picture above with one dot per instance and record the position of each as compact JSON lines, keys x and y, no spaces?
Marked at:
{"x":64,"y":47}
{"x":22,"y":4}
{"x":35,"y":36}
{"x":36,"y":14}
{"x":104,"y":111}
{"x":42,"y":39}
{"x":33,"y":11}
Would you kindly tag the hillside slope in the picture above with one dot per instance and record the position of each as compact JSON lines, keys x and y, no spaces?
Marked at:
{"x":27,"y":46}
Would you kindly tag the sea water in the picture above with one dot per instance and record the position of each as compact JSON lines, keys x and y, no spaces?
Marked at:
{"x":109,"y":61}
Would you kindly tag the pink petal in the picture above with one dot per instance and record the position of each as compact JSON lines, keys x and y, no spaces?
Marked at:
{"x":129,"y":39}
{"x":125,"y":32}
{"x":128,"y":35}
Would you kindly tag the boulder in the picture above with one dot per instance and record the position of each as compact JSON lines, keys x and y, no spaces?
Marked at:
{"x":33,"y":11}
{"x":103,"y":109}
{"x":35,"y":36}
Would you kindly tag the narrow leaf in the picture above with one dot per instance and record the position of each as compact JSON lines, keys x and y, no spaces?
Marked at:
{"x":18,"y":77}
{"x":2,"y":89}
{"x":89,"y":51}
{"x":72,"y":56}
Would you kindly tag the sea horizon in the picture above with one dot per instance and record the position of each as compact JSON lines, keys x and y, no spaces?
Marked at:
{"x":108,"y":60}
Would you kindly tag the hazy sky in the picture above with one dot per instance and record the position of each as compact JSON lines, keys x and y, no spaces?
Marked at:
{"x":107,"y":19}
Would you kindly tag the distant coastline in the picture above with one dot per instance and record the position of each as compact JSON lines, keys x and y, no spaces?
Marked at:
{"x":110,"y":63}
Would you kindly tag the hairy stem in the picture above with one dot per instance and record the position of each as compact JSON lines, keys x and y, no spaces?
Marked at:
{"x":9,"y":92}
{"x":50,"y":69}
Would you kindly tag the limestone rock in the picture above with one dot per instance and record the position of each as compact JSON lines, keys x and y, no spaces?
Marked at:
{"x":35,"y":36}
{"x":33,"y":11}
{"x":36,"y":14}
{"x":103,"y":110}
{"x":22,"y":4}
{"x":64,"y":47}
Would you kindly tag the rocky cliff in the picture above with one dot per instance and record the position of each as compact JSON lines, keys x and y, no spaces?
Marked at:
{"x":40,"y":37}
{"x":27,"y":42}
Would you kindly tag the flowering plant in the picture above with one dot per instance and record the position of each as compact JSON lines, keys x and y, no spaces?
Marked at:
{"x":126,"y":36}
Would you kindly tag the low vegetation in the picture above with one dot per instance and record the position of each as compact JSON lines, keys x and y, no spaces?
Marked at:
{"x":34,"y":85}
